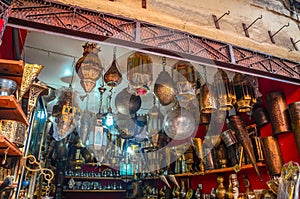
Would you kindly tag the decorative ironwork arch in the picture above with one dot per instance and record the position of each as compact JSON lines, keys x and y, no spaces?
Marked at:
{"x":80,"y":22}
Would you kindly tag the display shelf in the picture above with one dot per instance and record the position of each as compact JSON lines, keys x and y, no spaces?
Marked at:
{"x":95,"y":191}
{"x":10,"y":109}
{"x":93,"y":178}
{"x":103,"y":164}
{"x":12,"y":149}
{"x":12,"y":69}
{"x":222,"y":170}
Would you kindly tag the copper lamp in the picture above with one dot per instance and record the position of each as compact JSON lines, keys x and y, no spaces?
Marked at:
{"x":113,"y":76}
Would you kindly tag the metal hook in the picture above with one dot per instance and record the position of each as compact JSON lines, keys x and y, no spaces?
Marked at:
{"x":216,"y":20}
{"x":5,"y":156}
{"x":247,"y":27}
{"x":294,"y":43}
{"x":272,"y":35}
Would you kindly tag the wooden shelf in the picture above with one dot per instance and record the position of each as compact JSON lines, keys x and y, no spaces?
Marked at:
{"x":95,"y":191}
{"x":12,"y":69}
{"x":12,"y":151}
{"x":223,"y":170}
{"x":10,"y":109}
{"x":93,"y":178}
{"x":14,"y":185}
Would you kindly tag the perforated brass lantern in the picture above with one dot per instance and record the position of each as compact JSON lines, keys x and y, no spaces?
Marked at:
{"x":185,"y":77}
{"x":225,"y":92}
{"x":207,"y":99}
{"x":164,"y":87}
{"x":89,"y":67}
{"x":31,"y":71}
{"x":113,"y":77}
{"x":245,"y":97}
{"x":139,"y":73}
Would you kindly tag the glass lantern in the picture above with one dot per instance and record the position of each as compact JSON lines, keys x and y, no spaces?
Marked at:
{"x":139,"y":73}
{"x":185,"y":77}
{"x":225,"y":91}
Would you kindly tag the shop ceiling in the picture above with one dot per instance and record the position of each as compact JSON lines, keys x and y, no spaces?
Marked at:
{"x":57,"y":18}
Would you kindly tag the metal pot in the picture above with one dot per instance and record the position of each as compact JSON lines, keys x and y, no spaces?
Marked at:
{"x":7,"y":87}
{"x":179,"y":124}
{"x":126,"y":103}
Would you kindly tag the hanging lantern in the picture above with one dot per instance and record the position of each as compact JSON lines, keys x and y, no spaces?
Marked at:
{"x":225,"y":92}
{"x":207,"y":99}
{"x":164,"y":87}
{"x":139,"y":73}
{"x":89,"y":67}
{"x":207,"y":96}
{"x":96,"y":141}
{"x":244,"y":93}
{"x":155,"y":119}
{"x":113,"y":77}
{"x":66,"y":114}
{"x":185,"y":76}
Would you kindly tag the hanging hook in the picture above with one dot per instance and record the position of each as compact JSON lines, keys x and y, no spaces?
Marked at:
{"x":272,"y":35}
{"x":247,"y":27}
{"x":216,"y":20}
{"x":294,"y":43}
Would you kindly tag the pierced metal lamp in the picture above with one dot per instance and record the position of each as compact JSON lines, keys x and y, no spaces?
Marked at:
{"x":89,"y":67}
{"x":113,"y":76}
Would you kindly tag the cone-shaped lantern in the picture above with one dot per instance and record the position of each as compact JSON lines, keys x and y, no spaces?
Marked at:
{"x":139,"y":73}
{"x":89,"y":67}
{"x":237,"y":124}
{"x":164,"y":87}
{"x":31,"y":71}
{"x":113,"y":76}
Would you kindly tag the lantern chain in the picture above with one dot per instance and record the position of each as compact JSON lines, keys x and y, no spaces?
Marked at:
{"x":114,"y":52}
{"x":205,"y":73}
{"x":164,"y":62}
{"x":73,"y":69}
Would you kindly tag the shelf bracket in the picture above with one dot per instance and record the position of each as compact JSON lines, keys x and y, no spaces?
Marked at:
{"x":47,"y":173}
{"x":245,"y":27}
{"x":272,"y":35}
{"x":216,"y":20}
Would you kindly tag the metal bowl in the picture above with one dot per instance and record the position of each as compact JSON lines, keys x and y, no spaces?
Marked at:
{"x":7,"y":87}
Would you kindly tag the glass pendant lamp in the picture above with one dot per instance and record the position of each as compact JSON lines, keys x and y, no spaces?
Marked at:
{"x":139,"y":73}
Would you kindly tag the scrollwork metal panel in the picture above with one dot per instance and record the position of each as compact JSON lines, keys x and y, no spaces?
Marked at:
{"x":89,"y":24}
